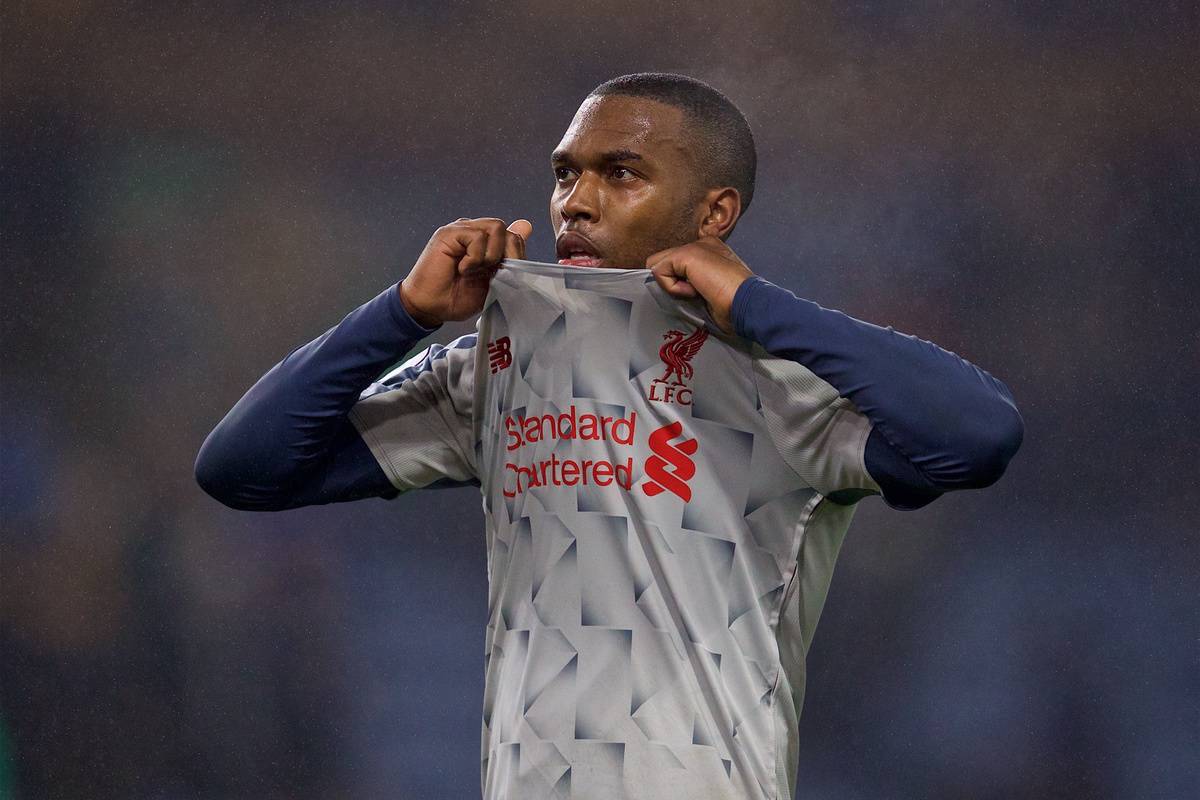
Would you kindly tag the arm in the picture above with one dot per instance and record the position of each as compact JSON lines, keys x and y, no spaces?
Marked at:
{"x":289,"y":442}
{"x":939,"y":423}
{"x":317,"y":429}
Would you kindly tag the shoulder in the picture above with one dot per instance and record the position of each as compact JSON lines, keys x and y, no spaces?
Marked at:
{"x":457,"y":350}
{"x":790,"y":381}
{"x":449,"y":364}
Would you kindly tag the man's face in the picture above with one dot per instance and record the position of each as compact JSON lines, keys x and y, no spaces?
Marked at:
{"x":624,"y":183}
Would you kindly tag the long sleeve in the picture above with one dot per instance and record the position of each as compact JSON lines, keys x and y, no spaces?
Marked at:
{"x":288,"y":441}
{"x":938,"y":422}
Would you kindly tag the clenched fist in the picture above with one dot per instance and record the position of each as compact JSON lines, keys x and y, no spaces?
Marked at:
{"x":451,"y":277}
{"x":705,"y":268}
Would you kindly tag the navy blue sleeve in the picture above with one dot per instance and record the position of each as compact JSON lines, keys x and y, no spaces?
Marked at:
{"x":288,"y":442}
{"x":938,"y":422}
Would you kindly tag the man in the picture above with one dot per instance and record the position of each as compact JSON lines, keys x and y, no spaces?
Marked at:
{"x":669,"y":450}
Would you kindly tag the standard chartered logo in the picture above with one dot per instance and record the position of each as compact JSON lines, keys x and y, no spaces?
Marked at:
{"x":674,"y":456}
{"x":521,"y":431}
{"x":667,"y":469}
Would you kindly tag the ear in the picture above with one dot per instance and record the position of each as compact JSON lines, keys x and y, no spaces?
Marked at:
{"x":721,"y":209}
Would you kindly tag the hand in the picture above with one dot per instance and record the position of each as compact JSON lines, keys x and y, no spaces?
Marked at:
{"x":706,"y":268}
{"x":451,"y":277}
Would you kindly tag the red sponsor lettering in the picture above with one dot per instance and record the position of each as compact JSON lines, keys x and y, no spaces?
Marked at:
{"x":555,"y":471}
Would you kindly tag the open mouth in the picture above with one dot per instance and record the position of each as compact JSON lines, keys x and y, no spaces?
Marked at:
{"x":577,"y":250}
{"x":580,"y":261}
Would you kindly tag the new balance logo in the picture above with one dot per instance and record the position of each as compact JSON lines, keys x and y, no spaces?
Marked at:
{"x":499,"y":354}
{"x":675,"y":456}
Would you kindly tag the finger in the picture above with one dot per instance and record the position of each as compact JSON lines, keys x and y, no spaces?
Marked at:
{"x":662,"y":273}
{"x":514,"y":245}
{"x":677,"y":288}
{"x":517,"y":233}
{"x":666,"y":263}
{"x":683,"y":289}
{"x":655,"y":258}
{"x":455,"y":239}
{"x":492,"y":242}
{"x":476,"y":250}
{"x":496,"y":238}
{"x":479,"y":223}
{"x":668,"y":279}
{"x":522,"y":228}
{"x":482,"y":223}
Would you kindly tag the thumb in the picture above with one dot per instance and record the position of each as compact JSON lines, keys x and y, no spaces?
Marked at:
{"x":522,"y":228}
{"x":514,"y":246}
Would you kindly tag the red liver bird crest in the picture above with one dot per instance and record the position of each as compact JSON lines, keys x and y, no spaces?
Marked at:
{"x":677,"y":353}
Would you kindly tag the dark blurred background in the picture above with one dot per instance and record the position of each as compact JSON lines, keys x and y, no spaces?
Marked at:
{"x":192,"y":190}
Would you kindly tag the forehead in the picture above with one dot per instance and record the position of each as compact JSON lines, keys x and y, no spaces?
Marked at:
{"x":615,"y":122}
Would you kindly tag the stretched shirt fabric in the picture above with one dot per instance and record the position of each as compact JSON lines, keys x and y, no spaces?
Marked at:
{"x":664,"y":503}
{"x":659,"y":537}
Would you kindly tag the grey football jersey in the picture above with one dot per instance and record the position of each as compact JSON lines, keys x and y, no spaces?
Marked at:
{"x":659,"y":537}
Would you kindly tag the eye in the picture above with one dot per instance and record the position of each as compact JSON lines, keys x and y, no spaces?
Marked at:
{"x":627,"y":173}
{"x":561,"y":173}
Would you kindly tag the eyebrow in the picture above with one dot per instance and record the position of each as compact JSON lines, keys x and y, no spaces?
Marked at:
{"x":620,"y":154}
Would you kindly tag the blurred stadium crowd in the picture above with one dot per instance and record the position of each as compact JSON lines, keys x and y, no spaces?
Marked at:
{"x":191,"y":191}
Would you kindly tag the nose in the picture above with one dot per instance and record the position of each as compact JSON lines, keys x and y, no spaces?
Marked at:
{"x":582,"y":201}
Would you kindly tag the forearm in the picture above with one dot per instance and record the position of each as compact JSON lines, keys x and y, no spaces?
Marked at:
{"x":939,"y":422}
{"x":280,"y":431}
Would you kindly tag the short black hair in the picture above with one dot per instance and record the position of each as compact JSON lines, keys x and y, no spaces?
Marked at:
{"x":724,"y":143}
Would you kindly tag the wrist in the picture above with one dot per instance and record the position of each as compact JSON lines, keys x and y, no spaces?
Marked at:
{"x":419,"y":317}
{"x":741,"y":312}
